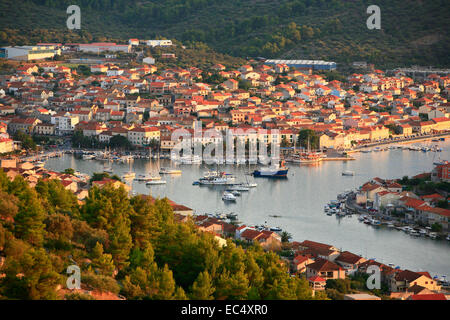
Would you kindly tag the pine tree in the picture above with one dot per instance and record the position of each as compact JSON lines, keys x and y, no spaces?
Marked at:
{"x":253,"y":271}
{"x":202,"y":288}
{"x":30,"y":276}
{"x":165,"y":284}
{"x":232,"y":287}
{"x":109,"y":209}
{"x":180,"y":294}
{"x":4,"y":181}
{"x":142,"y":257}
{"x":8,"y":205}
{"x":121,"y":243}
{"x":29,"y":223}
{"x":102,"y":261}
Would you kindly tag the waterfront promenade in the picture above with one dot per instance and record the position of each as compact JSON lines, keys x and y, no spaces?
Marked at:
{"x":400,"y":141}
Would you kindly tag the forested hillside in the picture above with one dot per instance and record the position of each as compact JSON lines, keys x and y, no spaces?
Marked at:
{"x":413,"y":31}
{"x":124,"y":245}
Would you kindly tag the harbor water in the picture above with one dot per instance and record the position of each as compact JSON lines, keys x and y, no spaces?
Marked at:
{"x":299,"y":201}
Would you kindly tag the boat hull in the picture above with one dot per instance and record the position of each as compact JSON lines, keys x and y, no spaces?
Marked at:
{"x":280,"y":174}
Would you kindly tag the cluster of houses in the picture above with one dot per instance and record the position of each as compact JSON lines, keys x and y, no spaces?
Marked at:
{"x":321,"y":262}
{"x":388,"y":196}
{"x":51,"y":99}
{"x":32,"y":173}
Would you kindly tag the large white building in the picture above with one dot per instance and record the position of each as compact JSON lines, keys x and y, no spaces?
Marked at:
{"x":142,"y":136}
{"x":104,"y":46}
{"x":64,"y":123}
{"x":149,"y":60}
{"x":28,"y":53}
{"x":158,"y":43}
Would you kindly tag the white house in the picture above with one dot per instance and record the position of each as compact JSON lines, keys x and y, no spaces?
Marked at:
{"x":149,"y":60}
{"x":158,"y":43}
{"x":114,"y":72}
{"x":64,"y":123}
{"x":133,"y":42}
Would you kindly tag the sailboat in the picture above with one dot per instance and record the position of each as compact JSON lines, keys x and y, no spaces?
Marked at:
{"x":217,"y":178}
{"x":129,"y":175}
{"x":107,"y":167}
{"x":247,"y":183}
{"x":156,"y":179}
{"x":439,"y":162}
{"x":309,"y":157}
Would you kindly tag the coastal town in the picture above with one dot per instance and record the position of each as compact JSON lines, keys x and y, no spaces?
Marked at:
{"x":107,"y":96}
{"x":317,"y":262}
{"x":145,"y":105}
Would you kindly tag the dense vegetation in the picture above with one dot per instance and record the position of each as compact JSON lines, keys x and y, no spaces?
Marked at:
{"x":413,"y":31}
{"x":124,"y":245}
{"x":424,"y":185}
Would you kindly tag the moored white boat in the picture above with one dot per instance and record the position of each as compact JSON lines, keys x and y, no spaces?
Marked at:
{"x":414,"y":233}
{"x":147,"y":177}
{"x":433,"y":235}
{"x":88,"y":157}
{"x":40,"y":164}
{"x":217,"y":178}
{"x":227,"y":196}
{"x":249,"y":185}
{"x":129,"y":175}
{"x":156,"y":182}
{"x":169,"y":171}
{"x":240,"y":188}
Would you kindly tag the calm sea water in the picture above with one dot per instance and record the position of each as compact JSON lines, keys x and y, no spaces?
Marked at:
{"x":300,"y":200}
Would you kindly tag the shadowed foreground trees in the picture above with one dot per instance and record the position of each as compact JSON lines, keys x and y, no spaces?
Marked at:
{"x":131,"y":246}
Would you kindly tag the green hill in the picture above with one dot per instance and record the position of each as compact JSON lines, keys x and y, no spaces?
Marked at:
{"x":413,"y":31}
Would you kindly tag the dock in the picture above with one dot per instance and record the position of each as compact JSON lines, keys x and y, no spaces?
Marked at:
{"x":338,"y":159}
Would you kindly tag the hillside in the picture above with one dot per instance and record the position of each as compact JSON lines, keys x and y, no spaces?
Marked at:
{"x":133,"y":246}
{"x":413,"y":31}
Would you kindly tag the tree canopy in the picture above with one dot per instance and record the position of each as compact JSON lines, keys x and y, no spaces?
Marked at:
{"x":127,"y":245}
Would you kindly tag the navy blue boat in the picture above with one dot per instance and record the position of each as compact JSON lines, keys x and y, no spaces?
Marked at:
{"x":272,"y":172}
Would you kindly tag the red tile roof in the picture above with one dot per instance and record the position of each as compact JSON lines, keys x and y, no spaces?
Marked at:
{"x":316,"y":279}
{"x":436,"y":296}
{"x":324,"y":265}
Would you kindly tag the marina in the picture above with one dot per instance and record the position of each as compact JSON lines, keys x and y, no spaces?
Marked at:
{"x":303,"y":215}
